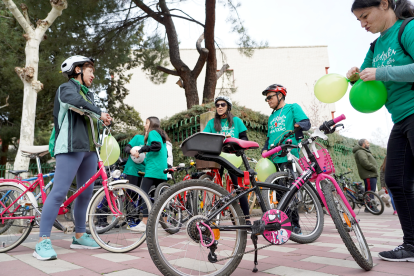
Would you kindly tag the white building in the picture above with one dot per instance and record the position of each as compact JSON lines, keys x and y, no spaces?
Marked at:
{"x":297,"y":68}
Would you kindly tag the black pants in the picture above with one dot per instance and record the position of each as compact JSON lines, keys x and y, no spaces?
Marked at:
{"x":292,"y":214}
{"x":399,"y":174}
{"x":370,"y":184}
{"x":146,"y":184}
{"x":244,"y":203}
{"x":134,"y":180}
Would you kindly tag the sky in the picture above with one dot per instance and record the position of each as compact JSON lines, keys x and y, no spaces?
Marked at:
{"x":300,"y":23}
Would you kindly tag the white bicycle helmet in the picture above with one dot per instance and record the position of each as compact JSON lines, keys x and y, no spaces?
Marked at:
{"x":69,"y":65}
{"x":226,"y":99}
{"x":141,"y":157}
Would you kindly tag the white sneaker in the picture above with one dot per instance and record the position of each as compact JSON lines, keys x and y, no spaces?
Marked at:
{"x":140,"y":228}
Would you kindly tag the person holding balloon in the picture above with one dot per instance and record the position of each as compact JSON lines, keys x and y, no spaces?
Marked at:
{"x":75,"y":154}
{"x":284,"y":118}
{"x":390,"y":60}
{"x":155,"y":162}
{"x":229,"y":125}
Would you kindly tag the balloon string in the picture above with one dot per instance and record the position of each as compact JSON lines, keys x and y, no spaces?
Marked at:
{"x":349,"y":79}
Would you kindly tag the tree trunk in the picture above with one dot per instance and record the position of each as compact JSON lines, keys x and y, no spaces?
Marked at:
{"x":190,"y":87}
{"x":211,"y":69}
{"x":29,"y":73}
{"x":3,"y":158}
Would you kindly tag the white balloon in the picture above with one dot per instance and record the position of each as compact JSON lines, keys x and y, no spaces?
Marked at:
{"x":141,"y":157}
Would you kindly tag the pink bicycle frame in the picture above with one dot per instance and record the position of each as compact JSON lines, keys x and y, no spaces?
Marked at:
{"x":338,"y":189}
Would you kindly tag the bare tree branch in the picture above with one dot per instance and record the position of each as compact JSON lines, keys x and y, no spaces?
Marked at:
{"x":26,"y":14}
{"x":202,"y":58}
{"x":149,"y":11}
{"x":198,"y":43}
{"x":6,"y":17}
{"x":222,"y":70}
{"x":168,"y":71}
{"x":7,"y":104}
{"x":18,"y":15}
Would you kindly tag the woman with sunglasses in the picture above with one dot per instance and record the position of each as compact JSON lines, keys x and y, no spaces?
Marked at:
{"x":227,"y":124}
{"x":390,"y":60}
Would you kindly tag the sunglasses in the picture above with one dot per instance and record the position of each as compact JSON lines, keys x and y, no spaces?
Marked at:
{"x":221,"y":104}
{"x":268,"y":98}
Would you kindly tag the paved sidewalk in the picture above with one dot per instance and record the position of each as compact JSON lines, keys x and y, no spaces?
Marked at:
{"x":326,"y":256}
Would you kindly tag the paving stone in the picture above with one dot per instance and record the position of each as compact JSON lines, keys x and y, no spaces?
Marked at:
{"x":47,"y":267}
{"x":116,"y":257}
{"x":284,"y":270}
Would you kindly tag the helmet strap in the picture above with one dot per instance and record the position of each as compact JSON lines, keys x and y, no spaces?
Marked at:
{"x":81,"y":73}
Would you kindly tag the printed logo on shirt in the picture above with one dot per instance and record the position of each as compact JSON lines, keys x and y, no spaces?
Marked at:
{"x":280,"y":126}
{"x":225,"y":130}
{"x":384,"y":59}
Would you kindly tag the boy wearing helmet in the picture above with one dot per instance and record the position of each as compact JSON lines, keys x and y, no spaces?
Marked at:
{"x":227,"y":124}
{"x":284,"y":118}
{"x":75,"y":154}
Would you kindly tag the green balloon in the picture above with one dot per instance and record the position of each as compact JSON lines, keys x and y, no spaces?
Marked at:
{"x":232,"y":158}
{"x":264,"y":169}
{"x":110,"y":150}
{"x":331,"y":88}
{"x":368,"y":96}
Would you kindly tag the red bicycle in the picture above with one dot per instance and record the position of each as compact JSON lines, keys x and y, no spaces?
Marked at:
{"x":19,"y":211}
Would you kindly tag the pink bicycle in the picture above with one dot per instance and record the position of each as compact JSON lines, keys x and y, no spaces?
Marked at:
{"x":116,"y":202}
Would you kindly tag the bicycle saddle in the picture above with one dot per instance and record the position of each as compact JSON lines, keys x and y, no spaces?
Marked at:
{"x":36,"y":150}
{"x":17,"y":172}
{"x":234,"y":144}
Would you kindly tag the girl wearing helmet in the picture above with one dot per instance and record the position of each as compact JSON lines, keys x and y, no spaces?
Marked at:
{"x":155,"y":162}
{"x":284,"y":117}
{"x":75,"y":154}
{"x":227,"y":124}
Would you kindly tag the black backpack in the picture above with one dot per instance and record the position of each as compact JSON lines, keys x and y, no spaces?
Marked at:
{"x":400,"y":32}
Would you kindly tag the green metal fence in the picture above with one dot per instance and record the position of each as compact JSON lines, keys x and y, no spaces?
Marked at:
{"x":46,"y":168}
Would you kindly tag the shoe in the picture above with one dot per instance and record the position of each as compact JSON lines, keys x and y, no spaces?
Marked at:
{"x":297,"y":230}
{"x":395,"y":213}
{"x":102,"y":225}
{"x":366,"y":210}
{"x":44,"y":251}
{"x":248,"y":222}
{"x":84,"y":242}
{"x":140,"y":228}
{"x":402,"y":253}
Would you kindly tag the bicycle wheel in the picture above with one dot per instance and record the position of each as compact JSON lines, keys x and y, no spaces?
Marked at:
{"x":206,"y":177}
{"x":130,"y":200}
{"x":347,"y":227}
{"x":14,"y":231}
{"x":374,"y":203}
{"x":351,"y":201}
{"x":305,"y":210}
{"x":173,"y":216}
{"x":183,"y":253}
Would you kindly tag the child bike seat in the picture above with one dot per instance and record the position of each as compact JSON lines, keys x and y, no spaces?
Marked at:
{"x":233,"y":144}
{"x":35,"y":150}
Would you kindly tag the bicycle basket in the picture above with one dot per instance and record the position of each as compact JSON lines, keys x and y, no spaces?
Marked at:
{"x":324,"y":161}
{"x":202,"y":142}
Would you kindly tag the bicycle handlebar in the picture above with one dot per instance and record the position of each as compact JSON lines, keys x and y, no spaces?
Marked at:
{"x":271,"y":152}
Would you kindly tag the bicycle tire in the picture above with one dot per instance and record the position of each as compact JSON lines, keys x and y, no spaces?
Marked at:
{"x":104,"y":241}
{"x":7,"y":223}
{"x":351,"y":201}
{"x":377,"y":201}
{"x":328,"y":190}
{"x":206,"y":177}
{"x":161,"y":188}
{"x":7,"y":235}
{"x":156,"y":255}
{"x":317,"y":230}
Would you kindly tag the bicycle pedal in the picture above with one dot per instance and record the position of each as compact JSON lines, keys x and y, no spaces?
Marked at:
{"x":69,"y":230}
{"x":258,"y":227}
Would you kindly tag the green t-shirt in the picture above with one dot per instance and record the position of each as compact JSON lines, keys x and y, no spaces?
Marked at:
{"x":388,"y":53}
{"x":234,"y":130}
{"x":291,"y":114}
{"x":132,"y":168}
{"x":156,"y":161}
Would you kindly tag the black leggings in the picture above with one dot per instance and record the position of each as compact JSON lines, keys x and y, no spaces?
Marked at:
{"x":146,"y":184}
{"x":134,"y":180}
{"x":399,"y":174}
{"x":244,"y":203}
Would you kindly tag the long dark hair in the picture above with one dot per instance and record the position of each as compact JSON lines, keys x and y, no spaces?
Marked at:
{"x":403,"y":8}
{"x":154,"y":125}
{"x":384,"y":164}
{"x":217,"y":120}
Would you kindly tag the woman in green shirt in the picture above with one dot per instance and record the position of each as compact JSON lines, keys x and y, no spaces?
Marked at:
{"x":387,"y":62}
{"x":227,"y":124}
{"x":155,"y":162}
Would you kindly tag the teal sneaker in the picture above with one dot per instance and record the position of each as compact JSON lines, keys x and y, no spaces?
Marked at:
{"x":44,"y":251}
{"x":84,"y":242}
